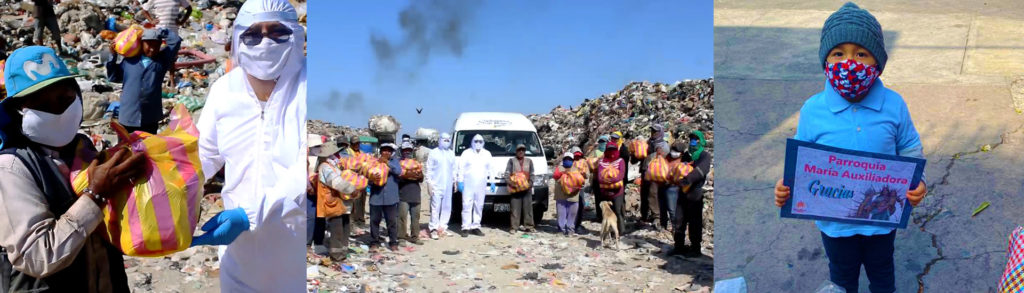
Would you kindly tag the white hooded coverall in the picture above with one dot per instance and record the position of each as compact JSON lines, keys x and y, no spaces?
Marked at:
{"x":474,"y":170}
{"x":263,"y":152}
{"x":440,"y":175}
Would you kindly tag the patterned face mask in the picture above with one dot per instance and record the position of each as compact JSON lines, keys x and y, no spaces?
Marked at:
{"x":851,"y":79}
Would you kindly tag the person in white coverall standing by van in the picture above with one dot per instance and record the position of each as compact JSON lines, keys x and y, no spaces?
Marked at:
{"x":440,"y":175}
{"x":254,"y":125}
{"x":474,"y":172}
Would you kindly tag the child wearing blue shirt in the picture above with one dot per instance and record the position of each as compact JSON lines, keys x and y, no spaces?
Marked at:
{"x":856,"y":111}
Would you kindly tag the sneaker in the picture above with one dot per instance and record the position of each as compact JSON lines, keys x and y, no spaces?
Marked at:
{"x":464,"y":233}
{"x":433,"y":235}
{"x":477,"y":232}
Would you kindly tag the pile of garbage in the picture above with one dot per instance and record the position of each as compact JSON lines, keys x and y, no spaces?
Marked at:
{"x":633,"y":110}
{"x":329,"y":129}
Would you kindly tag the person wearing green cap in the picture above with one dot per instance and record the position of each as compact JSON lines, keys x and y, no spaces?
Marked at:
{"x":50,"y":242}
{"x":856,"y":111}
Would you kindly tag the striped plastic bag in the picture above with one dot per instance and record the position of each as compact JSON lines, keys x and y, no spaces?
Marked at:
{"x":657,"y":170}
{"x":129,"y":42}
{"x":518,"y":182}
{"x":411,"y":169}
{"x":571,"y":181}
{"x":1013,"y":276}
{"x":376,"y":172}
{"x":606,"y":177}
{"x":350,"y":163}
{"x":638,"y":148}
{"x":582,"y":164}
{"x":592,"y":163}
{"x":157,"y":216}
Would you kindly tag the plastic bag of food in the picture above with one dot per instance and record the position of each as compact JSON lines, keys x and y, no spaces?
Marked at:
{"x":157,"y":216}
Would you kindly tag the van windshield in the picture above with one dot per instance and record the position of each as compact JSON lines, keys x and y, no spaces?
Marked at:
{"x":501,"y":143}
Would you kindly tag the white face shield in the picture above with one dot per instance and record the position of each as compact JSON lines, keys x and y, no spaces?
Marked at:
{"x":270,"y":57}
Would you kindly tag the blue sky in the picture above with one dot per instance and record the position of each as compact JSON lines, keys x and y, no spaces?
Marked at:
{"x":508,"y":56}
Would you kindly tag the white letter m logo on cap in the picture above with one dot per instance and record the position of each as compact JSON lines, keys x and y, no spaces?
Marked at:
{"x":33,"y":69}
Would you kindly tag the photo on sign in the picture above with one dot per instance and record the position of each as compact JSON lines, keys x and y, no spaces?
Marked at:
{"x":834,"y":184}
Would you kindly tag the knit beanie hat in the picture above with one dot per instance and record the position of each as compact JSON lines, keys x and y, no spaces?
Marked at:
{"x":851,"y":24}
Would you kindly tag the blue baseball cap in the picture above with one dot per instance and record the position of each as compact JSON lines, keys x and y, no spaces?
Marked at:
{"x":32,"y":68}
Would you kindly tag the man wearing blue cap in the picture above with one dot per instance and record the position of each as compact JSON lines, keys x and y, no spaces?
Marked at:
{"x":143,"y":78}
{"x":49,"y":242}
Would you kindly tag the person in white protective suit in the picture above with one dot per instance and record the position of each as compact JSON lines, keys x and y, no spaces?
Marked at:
{"x":474,"y":172}
{"x":254,"y":124}
{"x":440,"y":175}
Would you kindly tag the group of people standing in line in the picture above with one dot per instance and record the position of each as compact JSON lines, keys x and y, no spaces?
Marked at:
{"x":397,"y":202}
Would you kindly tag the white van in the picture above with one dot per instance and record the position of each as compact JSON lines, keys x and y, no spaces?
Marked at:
{"x":502,"y":132}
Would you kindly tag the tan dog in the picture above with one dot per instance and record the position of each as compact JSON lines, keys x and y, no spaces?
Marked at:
{"x":610,"y":223}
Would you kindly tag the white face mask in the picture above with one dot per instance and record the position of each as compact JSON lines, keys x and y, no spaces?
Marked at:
{"x":265,"y":61}
{"x":51,"y":129}
{"x":444,"y":144}
{"x":477,"y":146}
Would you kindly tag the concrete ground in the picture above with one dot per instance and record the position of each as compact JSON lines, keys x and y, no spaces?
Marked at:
{"x":958,"y":66}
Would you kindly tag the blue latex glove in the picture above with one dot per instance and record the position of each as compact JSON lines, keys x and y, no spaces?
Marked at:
{"x":223,"y":228}
{"x":494,"y":188}
{"x":461,"y":186}
{"x":367,"y":190}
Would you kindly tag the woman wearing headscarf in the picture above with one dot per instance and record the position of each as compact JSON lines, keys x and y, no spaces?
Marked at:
{"x":254,"y":125}
{"x":612,"y":160}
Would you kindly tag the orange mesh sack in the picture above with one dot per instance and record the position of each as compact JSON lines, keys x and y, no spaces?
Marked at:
{"x":411,"y":169}
{"x":518,"y":182}
{"x":571,"y":181}
{"x":657,"y":170}
{"x":129,"y":41}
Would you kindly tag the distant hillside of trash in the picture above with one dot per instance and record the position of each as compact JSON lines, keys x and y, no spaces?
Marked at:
{"x":631,"y":110}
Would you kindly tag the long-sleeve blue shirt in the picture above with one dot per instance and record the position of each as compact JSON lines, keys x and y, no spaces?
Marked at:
{"x":143,"y":80}
{"x":387,"y":194}
{"x":880,"y":124}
